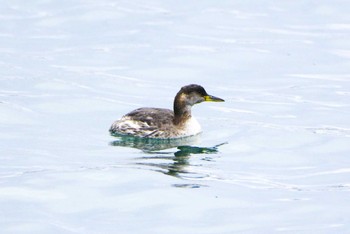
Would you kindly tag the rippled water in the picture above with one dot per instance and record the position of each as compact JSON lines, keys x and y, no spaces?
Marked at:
{"x":274,"y":158}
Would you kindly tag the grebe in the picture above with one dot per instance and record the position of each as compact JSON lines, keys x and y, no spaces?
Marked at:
{"x":164,"y":123}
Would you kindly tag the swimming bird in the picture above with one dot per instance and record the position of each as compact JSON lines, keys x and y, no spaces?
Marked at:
{"x":164,"y":123}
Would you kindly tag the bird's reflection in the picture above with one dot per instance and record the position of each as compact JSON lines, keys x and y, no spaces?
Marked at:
{"x":168,"y":162}
{"x":149,"y":145}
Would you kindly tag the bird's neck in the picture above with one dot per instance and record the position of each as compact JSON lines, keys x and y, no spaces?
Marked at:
{"x":182,"y":111}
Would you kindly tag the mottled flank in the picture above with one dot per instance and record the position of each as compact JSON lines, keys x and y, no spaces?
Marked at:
{"x":164,"y":123}
{"x":147,"y":122}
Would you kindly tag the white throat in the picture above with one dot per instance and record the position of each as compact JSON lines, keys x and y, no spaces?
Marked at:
{"x":192,"y":127}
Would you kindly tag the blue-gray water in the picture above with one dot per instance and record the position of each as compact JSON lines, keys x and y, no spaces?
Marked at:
{"x":274,"y":158}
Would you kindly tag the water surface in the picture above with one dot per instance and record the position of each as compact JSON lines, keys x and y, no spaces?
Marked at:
{"x":272,"y":159}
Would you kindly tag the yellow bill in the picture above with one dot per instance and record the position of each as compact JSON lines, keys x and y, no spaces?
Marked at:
{"x":210,"y":98}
